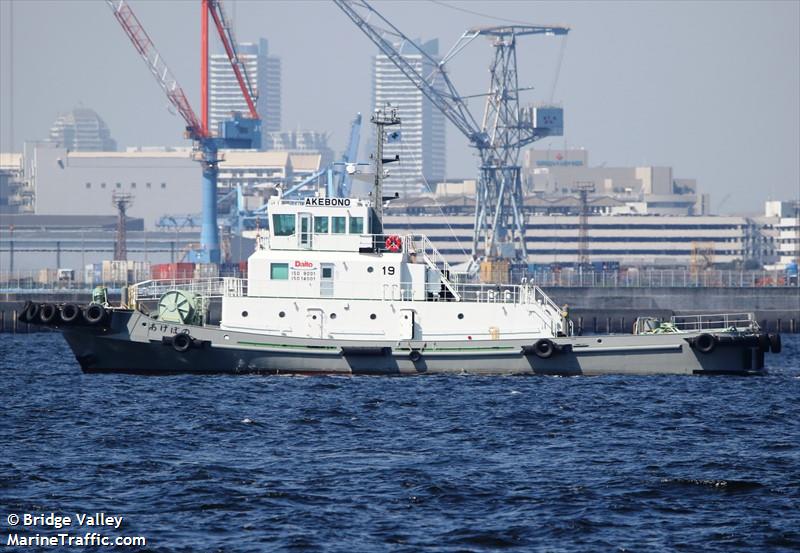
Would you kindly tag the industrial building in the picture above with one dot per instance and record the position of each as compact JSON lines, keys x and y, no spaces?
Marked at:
{"x":421,"y":140}
{"x":82,"y":130}
{"x":649,"y":190}
{"x":264,"y":72}
{"x":553,"y":233}
{"x":782,"y":230}
{"x":15,"y":197}
{"x":163,"y":181}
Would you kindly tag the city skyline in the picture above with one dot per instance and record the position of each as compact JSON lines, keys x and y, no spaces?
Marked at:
{"x":682,"y":93}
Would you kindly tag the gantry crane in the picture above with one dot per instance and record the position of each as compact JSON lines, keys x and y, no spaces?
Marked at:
{"x":239,"y":132}
{"x":504,"y":129}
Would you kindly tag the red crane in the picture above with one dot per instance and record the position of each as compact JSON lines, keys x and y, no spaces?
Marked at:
{"x":197,"y":128}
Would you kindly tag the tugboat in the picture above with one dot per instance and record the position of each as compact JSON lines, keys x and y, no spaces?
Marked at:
{"x":328,"y":292}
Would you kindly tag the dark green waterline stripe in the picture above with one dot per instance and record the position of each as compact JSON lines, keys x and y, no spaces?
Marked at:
{"x":289,"y":346}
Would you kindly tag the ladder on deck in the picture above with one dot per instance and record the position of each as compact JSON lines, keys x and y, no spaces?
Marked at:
{"x":433,"y":259}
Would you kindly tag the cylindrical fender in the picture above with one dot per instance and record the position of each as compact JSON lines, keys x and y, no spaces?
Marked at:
{"x":70,"y":313}
{"x":705,"y":343}
{"x":415,"y":355}
{"x":23,"y":313}
{"x":32,"y":312}
{"x":544,"y":348}
{"x":95,"y":314}
{"x":48,"y":313}
{"x":182,"y":342}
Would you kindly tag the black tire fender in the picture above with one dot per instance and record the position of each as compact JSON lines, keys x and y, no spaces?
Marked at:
{"x":775,"y":343}
{"x":182,"y":343}
{"x":544,"y":348}
{"x":763,"y":342}
{"x":32,"y":312}
{"x":48,"y":313}
{"x":415,"y":355}
{"x":22,"y":316}
{"x":95,"y":314}
{"x":70,"y":313}
{"x":705,"y":343}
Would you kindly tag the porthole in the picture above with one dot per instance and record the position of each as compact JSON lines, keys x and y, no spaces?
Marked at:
{"x":370,"y":269}
{"x":460,"y":315}
{"x":373,"y":316}
{"x":281,"y":314}
{"x":333,"y":315}
{"x":244,"y":313}
{"x":314,"y":317}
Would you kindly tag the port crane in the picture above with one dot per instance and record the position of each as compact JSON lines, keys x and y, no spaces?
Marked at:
{"x":339,"y":173}
{"x":503,"y":130}
{"x":238,"y":132}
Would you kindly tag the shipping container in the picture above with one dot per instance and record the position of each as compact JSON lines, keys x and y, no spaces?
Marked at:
{"x":203,"y":271}
{"x":172,"y":271}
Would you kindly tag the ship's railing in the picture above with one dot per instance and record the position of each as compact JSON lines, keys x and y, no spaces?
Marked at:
{"x":720,"y":321}
{"x":404,"y":291}
{"x":208,"y":288}
{"x":420,"y":245}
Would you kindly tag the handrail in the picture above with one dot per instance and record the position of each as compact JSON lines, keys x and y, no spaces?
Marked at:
{"x":715,"y":321}
{"x":433,"y":260}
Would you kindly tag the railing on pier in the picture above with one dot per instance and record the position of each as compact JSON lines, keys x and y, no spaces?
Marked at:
{"x":660,"y":278}
{"x":720,"y":321}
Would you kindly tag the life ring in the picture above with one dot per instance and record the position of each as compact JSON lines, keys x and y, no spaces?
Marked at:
{"x":48,"y":313}
{"x":393,"y":243}
{"x":775,"y":343}
{"x":95,"y":313}
{"x":70,"y":313}
{"x":415,"y":355}
{"x":705,"y":343}
{"x":182,"y":342}
{"x":544,"y":348}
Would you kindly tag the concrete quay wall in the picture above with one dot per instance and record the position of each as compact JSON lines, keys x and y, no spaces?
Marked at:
{"x":614,"y":309}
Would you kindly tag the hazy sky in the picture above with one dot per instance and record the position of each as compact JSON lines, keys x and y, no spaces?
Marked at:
{"x":709,"y":88}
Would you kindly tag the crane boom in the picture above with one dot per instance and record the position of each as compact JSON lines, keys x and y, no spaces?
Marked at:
{"x":449,"y":101}
{"x":504,"y":129}
{"x":229,"y":43}
{"x":157,"y":66}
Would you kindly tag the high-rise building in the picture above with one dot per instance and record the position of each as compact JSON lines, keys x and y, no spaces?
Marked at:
{"x":82,"y":130}
{"x":264,"y":72}
{"x":421,"y":144}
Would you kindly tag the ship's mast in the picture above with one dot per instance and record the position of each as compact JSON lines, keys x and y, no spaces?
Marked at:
{"x":382,"y":118}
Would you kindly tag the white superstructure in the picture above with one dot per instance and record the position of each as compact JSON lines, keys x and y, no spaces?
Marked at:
{"x":322,"y":273}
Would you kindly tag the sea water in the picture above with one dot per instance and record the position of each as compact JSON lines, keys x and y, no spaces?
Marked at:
{"x":441,"y":463}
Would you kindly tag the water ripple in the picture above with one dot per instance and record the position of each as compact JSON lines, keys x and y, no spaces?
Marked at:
{"x":439,"y":463}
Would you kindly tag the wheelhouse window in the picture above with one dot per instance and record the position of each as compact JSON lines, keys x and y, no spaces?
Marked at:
{"x":279,"y":271}
{"x":320,"y":225}
{"x":339,"y":225}
{"x":283,"y":225}
{"x":356,"y":225}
